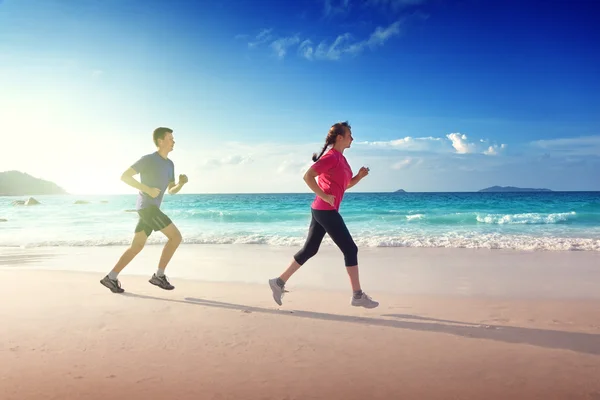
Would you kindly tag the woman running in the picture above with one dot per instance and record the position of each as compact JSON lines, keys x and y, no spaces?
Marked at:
{"x":335,"y":176}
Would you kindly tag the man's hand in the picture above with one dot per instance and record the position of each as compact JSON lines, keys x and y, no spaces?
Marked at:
{"x":153,"y":192}
{"x":173,"y":188}
{"x":364,"y":171}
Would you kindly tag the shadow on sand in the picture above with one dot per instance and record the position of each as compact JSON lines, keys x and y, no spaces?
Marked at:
{"x":575,"y":341}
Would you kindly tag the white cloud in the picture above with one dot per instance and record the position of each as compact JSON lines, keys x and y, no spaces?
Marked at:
{"x":568,"y":142}
{"x":407,"y":163}
{"x":460,"y":143}
{"x":494,"y":149}
{"x":377,"y":38}
{"x":212,"y":163}
{"x":237,"y":159}
{"x":582,"y":145}
{"x":343,"y":44}
{"x":306,"y":50}
{"x":491,"y":151}
{"x":292,"y":166}
{"x":228,"y":160}
{"x":335,"y":50}
{"x":281,"y":45}
{"x":408,"y":143}
{"x":260,"y":150}
{"x":264,"y":36}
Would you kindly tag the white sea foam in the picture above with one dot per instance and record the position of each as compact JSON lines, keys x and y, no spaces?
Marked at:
{"x":528,"y":218}
{"x":471,"y":241}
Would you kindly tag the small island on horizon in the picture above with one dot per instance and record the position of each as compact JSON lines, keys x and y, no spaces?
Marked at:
{"x":16,"y":183}
{"x":506,"y":189}
{"x":498,"y":189}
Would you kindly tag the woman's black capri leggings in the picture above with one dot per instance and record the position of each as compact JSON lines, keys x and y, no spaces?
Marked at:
{"x":330,"y":222}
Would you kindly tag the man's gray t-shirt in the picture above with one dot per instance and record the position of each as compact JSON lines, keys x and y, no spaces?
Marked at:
{"x":155,"y":172}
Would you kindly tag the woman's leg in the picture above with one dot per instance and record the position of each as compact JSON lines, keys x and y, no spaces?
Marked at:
{"x":313,"y":241}
{"x":336,"y":228}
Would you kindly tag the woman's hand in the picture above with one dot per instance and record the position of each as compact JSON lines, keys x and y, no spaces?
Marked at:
{"x":329,"y":199}
{"x":363,"y":171}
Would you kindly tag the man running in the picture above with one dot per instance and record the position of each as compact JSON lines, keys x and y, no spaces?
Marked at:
{"x":157,"y":174}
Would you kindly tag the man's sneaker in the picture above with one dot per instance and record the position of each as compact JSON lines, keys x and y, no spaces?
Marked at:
{"x":114,"y":286}
{"x":277,"y":290}
{"x":161,"y":282}
{"x":364,"y":301}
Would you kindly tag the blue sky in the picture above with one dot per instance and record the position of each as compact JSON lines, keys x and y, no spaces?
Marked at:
{"x":441,"y":95}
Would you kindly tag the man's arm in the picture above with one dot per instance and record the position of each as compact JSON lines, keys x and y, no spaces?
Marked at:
{"x":128,"y":178}
{"x":175,"y":188}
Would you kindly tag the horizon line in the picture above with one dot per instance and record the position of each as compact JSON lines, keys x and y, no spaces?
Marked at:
{"x":306,"y":193}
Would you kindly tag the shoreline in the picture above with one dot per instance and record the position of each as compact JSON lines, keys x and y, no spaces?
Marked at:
{"x":458,"y":272}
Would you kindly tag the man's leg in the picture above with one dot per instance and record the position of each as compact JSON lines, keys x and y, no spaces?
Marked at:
{"x":111,"y":281}
{"x":138,"y":243}
{"x":174,"y":240}
{"x":174,"y":236}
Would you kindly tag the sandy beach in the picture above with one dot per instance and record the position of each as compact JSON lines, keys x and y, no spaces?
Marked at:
{"x":453,"y":324}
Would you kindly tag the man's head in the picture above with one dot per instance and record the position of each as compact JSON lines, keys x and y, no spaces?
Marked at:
{"x":163,"y":138}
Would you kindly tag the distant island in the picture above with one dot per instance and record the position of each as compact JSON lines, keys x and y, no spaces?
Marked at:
{"x":15,"y":183}
{"x":400,"y":191}
{"x":505,"y":189}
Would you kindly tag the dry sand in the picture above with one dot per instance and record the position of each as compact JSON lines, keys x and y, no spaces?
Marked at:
{"x":453,"y":324}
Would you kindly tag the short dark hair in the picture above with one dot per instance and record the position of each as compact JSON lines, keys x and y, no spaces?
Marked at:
{"x":159,"y":133}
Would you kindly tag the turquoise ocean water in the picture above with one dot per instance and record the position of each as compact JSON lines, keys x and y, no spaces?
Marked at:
{"x":521,"y":221}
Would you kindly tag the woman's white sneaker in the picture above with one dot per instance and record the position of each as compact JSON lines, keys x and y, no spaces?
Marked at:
{"x":364,"y":301}
{"x":277,"y":290}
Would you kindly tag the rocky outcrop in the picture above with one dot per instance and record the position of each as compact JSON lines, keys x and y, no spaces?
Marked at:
{"x":15,"y":183}
{"x":29,"y":202}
